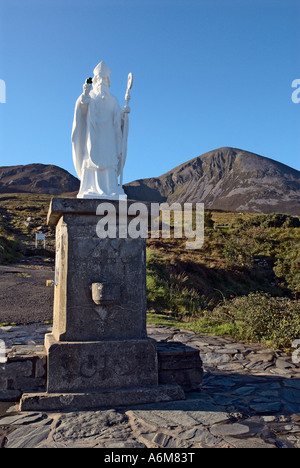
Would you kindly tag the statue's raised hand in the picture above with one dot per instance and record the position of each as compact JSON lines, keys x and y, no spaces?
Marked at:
{"x":85,"y":97}
{"x":87,"y":87}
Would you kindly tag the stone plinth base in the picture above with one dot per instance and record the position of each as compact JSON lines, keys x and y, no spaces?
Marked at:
{"x":87,"y":375}
{"x":105,"y":398}
{"x":75,"y":367}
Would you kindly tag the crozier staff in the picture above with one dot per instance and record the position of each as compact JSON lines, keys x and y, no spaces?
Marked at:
{"x":126,"y":125}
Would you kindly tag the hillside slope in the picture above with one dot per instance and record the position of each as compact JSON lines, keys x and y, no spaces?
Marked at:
{"x":228,"y":179}
{"x":37,"y":178}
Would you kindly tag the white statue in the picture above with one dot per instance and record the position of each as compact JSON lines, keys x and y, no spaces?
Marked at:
{"x":99,"y":137}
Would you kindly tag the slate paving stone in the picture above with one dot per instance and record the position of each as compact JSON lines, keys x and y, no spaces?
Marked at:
{"x":258,"y":366}
{"x":27,"y":437}
{"x":86,"y":425}
{"x":291,"y":408}
{"x":249,"y":398}
{"x":230,"y":429}
{"x":282,"y":363}
{"x":273,"y":394}
{"x":265,"y":406}
{"x":256,"y":425}
{"x":262,"y":357}
{"x":291,"y":395}
{"x":228,"y":401}
{"x":231,"y":367}
{"x":166,"y":441}
{"x":292,"y":383}
{"x":250,"y":443}
{"x":239,"y":357}
{"x":25,"y":418}
{"x":225,"y":381}
{"x":247,"y":390}
{"x":121,"y":444}
{"x":215,"y":358}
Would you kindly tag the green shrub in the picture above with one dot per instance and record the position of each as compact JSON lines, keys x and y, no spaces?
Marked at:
{"x":262,"y":318}
{"x":239,"y":251}
{"x":208,"y":220}
{"x":274,"y":220}
{"x":287,"y":269}
{"x":9,"y":250}
{"x":171,"y":292}
{"x":171,"y":295}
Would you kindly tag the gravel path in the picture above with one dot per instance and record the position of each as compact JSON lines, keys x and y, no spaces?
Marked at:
{"x":24,"y":297}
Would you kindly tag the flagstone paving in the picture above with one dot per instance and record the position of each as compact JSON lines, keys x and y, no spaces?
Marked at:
{"x":249,"y":398}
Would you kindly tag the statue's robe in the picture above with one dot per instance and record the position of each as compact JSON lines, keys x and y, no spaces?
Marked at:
{"x":97,"y":142}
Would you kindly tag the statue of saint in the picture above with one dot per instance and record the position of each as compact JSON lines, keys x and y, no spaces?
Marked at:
{"x":99,"y":137}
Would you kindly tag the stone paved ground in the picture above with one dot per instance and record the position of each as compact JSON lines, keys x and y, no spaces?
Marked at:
{"x":249,"y":398}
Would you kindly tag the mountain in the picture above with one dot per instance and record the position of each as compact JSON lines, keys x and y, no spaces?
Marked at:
{"x":227,"y":179}
{"x":37,"y":178}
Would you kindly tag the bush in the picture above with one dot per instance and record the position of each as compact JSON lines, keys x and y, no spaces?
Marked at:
{"x":239,"y":251}
{"x":208,"y":220}
{"x":170,"y":295}
{"x":288,"y":271}
{"x":262,"y":318}
{"x":9,"y":250}
{"x":274,"y":220}
{"x":170,"y":292}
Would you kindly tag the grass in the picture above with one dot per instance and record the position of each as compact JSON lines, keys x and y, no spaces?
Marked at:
{"x":200,"y":325}
{"x":23,"y":275}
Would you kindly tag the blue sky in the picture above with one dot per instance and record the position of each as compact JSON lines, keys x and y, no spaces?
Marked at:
{"x":207,"y":74}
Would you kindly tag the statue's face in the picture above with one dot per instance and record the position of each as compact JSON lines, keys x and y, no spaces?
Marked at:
{"x":99,"y":82}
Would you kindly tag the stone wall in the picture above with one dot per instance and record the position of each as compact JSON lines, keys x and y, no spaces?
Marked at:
{"x":26,"y":369}
{"x":180,"y":364}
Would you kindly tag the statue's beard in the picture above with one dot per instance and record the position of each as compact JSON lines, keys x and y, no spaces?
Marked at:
{"x":101,"y":90}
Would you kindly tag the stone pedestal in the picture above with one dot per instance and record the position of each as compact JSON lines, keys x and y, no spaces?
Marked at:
{"x":98,"y":353}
